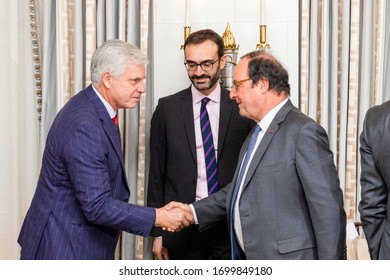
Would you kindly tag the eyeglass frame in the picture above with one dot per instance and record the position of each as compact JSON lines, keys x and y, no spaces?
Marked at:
{"x":237,"y":84}
{"x":200,"y":64}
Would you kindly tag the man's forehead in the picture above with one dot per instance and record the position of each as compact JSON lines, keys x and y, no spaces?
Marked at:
{"x":241,"y":68}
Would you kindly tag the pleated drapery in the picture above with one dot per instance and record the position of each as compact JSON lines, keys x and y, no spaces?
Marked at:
{"x":19,"y":114}
{"x":344,"y":71}
{"x":67,"y":33}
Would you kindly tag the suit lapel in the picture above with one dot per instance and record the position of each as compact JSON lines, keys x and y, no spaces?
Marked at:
{"x":224,"y":118}
{"x":108,"y":125}
{"x":267,"y":138}
{"x":188,"y":118}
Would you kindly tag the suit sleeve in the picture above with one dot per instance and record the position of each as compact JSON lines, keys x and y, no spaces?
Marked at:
{"x":324,"y":196}
{"x":373,"y":204}
{"x":212,"y":209}
{"x":86,"y":156}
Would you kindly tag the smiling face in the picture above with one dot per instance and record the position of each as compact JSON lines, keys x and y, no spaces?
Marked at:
{"x":125,"y":91}
{"x":245,"y":92}
{"x":207,"y":52}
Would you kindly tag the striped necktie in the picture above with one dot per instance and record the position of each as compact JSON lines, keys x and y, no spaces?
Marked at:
{"x":208,"y":146}
{"x":236,"y":255}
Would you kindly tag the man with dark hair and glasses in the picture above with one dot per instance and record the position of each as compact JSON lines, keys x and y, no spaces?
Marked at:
{"x":196,"y":135}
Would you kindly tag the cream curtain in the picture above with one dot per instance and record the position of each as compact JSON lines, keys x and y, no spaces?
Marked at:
{"x":76,"y":29}
{"x":19,"y":146}
{"x":344,"y":71}
{"x":49,"y":45}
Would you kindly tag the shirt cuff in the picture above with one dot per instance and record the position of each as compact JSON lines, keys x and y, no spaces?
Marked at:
{"x":194,"y":214}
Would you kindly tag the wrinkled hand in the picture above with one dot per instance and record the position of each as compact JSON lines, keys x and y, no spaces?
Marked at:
{"x":159,"y":252}
{"x":174,"y":218}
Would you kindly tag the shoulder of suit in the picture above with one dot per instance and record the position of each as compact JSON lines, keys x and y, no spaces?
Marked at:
{"x":185,"y":93}
{"x":379,"y":110}
{"x":297,"y":117}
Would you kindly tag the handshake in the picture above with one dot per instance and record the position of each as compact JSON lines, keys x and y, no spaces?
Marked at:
{"x":174,"y":216}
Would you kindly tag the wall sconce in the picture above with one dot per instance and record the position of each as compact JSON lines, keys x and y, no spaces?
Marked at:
{"x":187,"y":32}
{"x":187,"y":27}
{"x":263,"y":28}
{"x":263,"y":38}
{"x":231,"y":53}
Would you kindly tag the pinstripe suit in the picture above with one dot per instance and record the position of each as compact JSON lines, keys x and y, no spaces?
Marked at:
{"x":81,"y":201}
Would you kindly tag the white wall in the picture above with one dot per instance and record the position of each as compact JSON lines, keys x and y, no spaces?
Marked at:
{"x":282,"y":21}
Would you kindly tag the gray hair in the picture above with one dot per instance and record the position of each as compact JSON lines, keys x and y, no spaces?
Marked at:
{"x":113,"y":56}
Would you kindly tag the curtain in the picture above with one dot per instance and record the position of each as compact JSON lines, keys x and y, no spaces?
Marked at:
{"x":19,"y":115}
{"x":344,"y":71}
{"x":138,"y":126}
{"x":54,"y":66}
{"x":140,"y":17}
{"x":149,"y":107}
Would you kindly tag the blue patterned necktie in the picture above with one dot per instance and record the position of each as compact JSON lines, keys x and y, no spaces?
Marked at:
{"x":234,"y":243}
{"x":208,"y":146}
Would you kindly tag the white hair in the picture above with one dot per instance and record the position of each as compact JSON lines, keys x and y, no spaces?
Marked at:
{"x":113,"y":56}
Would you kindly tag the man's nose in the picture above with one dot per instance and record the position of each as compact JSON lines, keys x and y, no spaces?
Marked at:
{"x":233,"y":93}
{"x":199,"y":71}
{"x":142,"y":87}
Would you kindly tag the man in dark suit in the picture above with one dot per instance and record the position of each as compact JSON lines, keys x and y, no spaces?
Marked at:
{"x":375,"y":181}
{"x":284,"y":201}
{"x":81,"y":202}
{"x":179,"y":167}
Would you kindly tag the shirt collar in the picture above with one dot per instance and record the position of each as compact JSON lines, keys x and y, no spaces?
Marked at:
{"x":268,"y":118}
{"x":214,"y":96}
{"x":107,"y":105}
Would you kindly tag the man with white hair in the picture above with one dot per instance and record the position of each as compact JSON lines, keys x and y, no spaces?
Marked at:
{"x":81,"y":202}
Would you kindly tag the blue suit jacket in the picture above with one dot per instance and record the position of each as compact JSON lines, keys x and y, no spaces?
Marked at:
{"x":81,"y":201}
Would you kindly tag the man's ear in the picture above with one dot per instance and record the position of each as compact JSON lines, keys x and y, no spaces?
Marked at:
{"x":223,"y":61}
{"x":106,"y":79}
{"x":263,"y":84}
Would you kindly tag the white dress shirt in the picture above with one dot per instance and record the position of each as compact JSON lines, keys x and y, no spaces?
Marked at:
{"x":107,"y":105}
{"x":264,"y":124}
{"x":213,"y":107}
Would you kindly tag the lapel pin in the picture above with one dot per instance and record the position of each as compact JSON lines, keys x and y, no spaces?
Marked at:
{"x":271,"y":131}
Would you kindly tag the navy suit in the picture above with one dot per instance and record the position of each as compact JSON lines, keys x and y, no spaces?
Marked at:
{"x":81,"y":202}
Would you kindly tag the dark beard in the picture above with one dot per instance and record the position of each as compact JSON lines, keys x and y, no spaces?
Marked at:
{"x":205,"y":86}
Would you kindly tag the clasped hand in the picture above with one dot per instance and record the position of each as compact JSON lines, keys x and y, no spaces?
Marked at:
{"x":174,"y":216}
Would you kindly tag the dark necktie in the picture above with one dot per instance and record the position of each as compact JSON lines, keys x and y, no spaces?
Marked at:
{"x":236,"y":255}
{"x":208,"y":146}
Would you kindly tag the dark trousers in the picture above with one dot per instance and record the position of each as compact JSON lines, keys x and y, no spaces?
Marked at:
{"x":210,"y":244}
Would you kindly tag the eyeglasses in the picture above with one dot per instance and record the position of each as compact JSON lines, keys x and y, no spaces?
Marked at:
{"x":205,"y":65}
{"x":237,"y":84}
